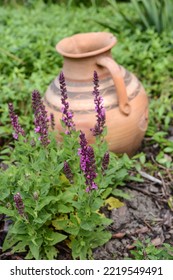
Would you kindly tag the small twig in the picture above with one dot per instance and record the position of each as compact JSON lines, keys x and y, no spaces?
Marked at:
{"x":157,"y":204}
{"x":147,"y":224}
{"x":149,"y":177}
{"x":165,"y":193}
{"x":9,"y":254}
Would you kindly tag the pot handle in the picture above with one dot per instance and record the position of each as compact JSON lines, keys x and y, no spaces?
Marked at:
{"x":115,"y":71}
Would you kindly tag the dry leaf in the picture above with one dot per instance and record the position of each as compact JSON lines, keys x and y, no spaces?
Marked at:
{"x":113,"y":203}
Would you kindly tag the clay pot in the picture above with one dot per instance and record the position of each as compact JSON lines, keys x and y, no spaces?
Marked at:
{"x":124,"y":97}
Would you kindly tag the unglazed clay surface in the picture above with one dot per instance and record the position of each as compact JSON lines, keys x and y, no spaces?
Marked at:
{"x":125,"y":100}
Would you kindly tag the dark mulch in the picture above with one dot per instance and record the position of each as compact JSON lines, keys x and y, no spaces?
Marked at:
{"x":146,"y":215}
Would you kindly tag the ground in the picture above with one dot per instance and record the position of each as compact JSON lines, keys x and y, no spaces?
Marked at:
{"x":146,"y":215}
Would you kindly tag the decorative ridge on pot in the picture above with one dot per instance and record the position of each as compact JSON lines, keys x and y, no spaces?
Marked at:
{"x":74,"y":47}
{"x":125,"y":100}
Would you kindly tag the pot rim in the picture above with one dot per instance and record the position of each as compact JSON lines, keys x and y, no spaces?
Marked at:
{"x":106,"y":36}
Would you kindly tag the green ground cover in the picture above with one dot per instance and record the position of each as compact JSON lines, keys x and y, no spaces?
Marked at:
{"x":29,"y":60}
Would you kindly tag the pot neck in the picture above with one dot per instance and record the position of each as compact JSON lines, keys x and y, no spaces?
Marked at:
{"x":82,"y":69}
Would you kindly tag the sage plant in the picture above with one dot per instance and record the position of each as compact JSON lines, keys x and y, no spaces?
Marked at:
{"x":41,"y":119}
{"x":15,"y":123}
{"x":100,"y":111}
{"x":19,"y":204}
{"x":105,"y":162}
{"x":67,"y":117}
{"x":87,"y":163}
{"x":68,"y":172}
{"x":52,"y":209}
{"x":52,"y":121}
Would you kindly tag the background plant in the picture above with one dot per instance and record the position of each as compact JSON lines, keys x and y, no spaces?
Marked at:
{"x":156,"y":14}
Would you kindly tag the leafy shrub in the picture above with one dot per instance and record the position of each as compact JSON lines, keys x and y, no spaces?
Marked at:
{"x":54,"y":191}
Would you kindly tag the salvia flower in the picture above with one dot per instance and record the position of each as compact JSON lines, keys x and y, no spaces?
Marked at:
{"x":41,"y":120}
{"x":67,"y":116}
{"x":19,"y":203}
{"x":105,"y":162}
{"x":15,"y":123}
{"x":100,"y":111}
{"x":87,"y":163}
{"x":52,"y":121}
{"x":82,"y":150}
{"x":67,"y":172}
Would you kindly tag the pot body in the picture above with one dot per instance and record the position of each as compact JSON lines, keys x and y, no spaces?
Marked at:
{"x":125,"y":100}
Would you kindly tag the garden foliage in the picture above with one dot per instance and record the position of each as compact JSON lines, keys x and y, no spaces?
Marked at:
{"x":54,"y":191}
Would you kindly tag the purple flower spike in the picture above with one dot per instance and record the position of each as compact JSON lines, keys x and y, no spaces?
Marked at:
{"x":15,"y":123}
{"x":82,"y":150}
{"x":67,"y":172}
{"x":67,"y":117}
{"x":98,"y":100}
{"x":41,"y":119}
{"x":19,"y":204}
{"x":52,"y":121}
{"x":105,"y":162}
{"x":87,"y":163}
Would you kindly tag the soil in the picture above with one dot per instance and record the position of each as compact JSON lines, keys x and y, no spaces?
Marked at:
{"x":146,"y":215}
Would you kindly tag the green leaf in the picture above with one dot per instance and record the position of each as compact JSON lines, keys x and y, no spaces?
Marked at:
{"x":98,"y":202}
{"x":136,"y":178}
{"x":45,"y":201}
{"x":120,"y":193}
{"x":20,"y":227}
{"x":51,"y":252}
{"x":29,"y":256}
{"x":53,"y":238}
{"x":106,"y":193}
{"x":42,"y":218}
{"x":105,"y":221}
{"x":88,"y":224}
{"x":168,"y":150}
{"x":10,"y":241}
{"x":70,"y":226}
{"x":100,"y":238}
{"x":170,"y":202}
{"x":20,"y":247}
{"x":142,"y":158}
{"x":121,"y":175}
{"x":64,"y":208}
{"x":79,"y":250}
{"x":35,"y":250}
{"x":6,"y":211}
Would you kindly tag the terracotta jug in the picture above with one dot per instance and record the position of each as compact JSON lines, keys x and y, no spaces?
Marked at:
{"x":125,"y":100}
